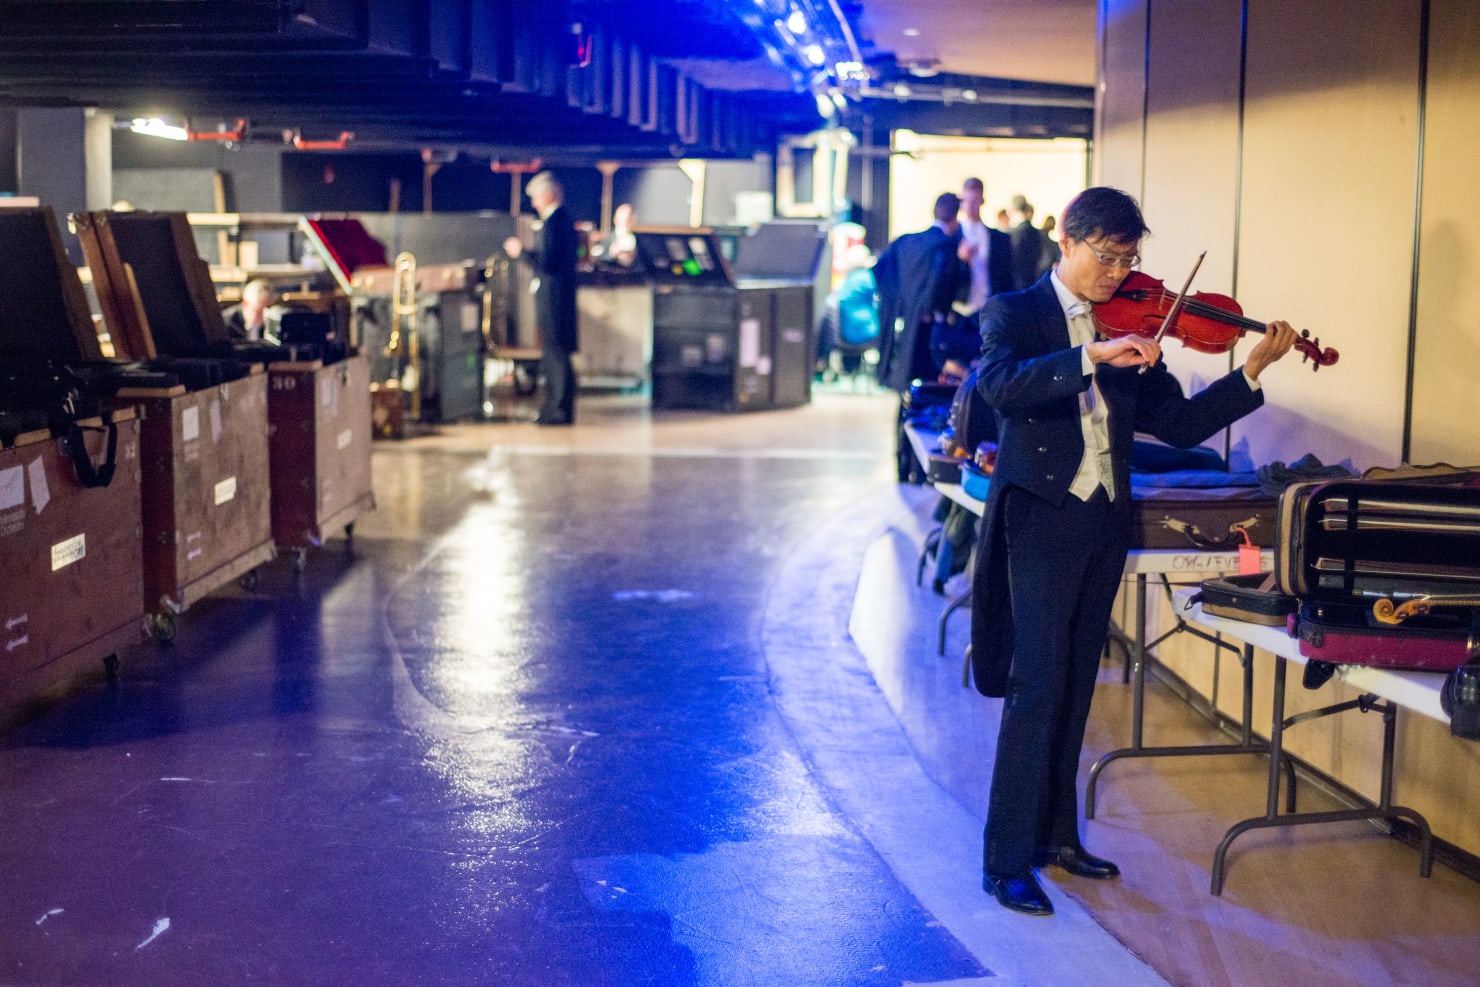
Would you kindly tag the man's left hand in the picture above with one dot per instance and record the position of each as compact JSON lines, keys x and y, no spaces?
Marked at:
{"x":1278,"y":339}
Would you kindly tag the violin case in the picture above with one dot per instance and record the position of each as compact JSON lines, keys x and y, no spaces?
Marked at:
{"x":1357,"y":550}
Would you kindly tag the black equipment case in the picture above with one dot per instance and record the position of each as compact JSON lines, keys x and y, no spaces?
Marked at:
{"x":1245,"y":597}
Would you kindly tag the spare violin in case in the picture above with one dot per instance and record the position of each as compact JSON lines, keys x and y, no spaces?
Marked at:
{"x":1388,"y":571}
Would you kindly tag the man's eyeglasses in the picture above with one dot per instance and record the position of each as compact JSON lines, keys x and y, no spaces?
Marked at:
{"x":1113,"y":260}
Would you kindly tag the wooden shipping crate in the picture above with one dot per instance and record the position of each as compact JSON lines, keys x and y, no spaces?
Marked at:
{"x":162,"y":300}
{"x":319,"y":449}
{"x":207,"y":517}
{"x":73,"y":592}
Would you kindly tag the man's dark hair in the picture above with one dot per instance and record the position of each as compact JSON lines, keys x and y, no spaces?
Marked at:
{"x":973,"y":185}
{"x":1103,"y":212}
{"x":947,"y":206}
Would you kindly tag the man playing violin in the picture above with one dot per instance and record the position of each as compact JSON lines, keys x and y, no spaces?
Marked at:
{"x":1057,"y":524}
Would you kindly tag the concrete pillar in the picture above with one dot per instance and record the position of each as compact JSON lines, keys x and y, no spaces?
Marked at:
{"x":64,"y":157}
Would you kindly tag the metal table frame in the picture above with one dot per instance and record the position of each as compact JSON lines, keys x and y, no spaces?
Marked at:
{"x":1384,"y":691}
{"x":1139,"y":646}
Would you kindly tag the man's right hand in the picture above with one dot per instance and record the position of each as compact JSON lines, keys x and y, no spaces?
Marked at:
{"x":1124,"y":351}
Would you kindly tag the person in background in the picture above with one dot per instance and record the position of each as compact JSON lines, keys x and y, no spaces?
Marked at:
{"x":248,"y":320}
{"x":918,"y":277}
{"x":552,"y":258}
{"x":619,"y":247}
{"x":1050,"y":242}
{"x":1057,"y":524}
{"x":1029,"y":260}
{"x":1004,"y":222}
{"x":987,"y":254}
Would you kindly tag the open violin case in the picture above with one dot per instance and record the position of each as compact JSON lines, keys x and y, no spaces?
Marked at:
{"x":1387,"y":570}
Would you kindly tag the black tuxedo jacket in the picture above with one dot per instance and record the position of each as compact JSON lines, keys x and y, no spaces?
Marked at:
{"x":917,"y":275}
{"x":1031,"y":376}
{"x":553,"y":258}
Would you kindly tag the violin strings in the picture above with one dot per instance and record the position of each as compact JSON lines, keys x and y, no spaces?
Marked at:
{"x":1196,"y":307}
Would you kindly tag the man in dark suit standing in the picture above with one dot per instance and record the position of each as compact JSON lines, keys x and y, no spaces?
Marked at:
{"x":1057,"y":524}
{"x":1030,"y":259}
{"x":918,"y":276}
{"x":987,"y":254}
{"x":552,"y":257}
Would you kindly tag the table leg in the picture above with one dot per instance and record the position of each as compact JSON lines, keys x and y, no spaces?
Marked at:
{"x":1271,"y":818}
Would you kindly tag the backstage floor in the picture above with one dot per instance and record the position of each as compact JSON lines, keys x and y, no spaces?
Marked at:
{"x":652,"y":700}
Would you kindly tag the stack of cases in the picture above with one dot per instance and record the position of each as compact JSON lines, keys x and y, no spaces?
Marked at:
{"x":289,"y":458}
{"x":1349,"y":548}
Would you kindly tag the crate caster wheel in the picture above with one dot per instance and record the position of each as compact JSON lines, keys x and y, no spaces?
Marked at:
{"x":300,"y":560}
{"x":162,"y":627}
{"x":247,"y":580}
{"x":349,"y":532}
{"x":110,"y":669}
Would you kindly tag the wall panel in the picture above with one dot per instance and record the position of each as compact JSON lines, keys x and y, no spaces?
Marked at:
{"x":1120,"y":98}
{"x":1327,"y":218}
{"x":1192,"y":148}
{"x":1446,"y":408}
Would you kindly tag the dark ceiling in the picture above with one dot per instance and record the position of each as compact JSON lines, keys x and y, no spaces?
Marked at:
{"x":515,"y":79}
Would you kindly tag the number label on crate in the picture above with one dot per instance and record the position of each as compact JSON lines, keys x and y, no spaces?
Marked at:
{"x":225,"y":490}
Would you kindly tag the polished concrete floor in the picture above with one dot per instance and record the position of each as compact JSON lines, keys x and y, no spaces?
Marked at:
{"x":575,"y":707}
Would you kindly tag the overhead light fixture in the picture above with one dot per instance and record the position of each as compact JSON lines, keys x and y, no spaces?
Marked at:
{"x":912,"y":32}
{"x":156,"y":127}
{"x":969,"y":95}
{"x":815,"y":54}
{"x":796,"y":22}
{"x":901,"y":91}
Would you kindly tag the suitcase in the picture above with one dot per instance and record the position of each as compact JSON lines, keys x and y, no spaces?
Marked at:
{"x":1407,"y":537}
{"x":1347,"y":633}
{"x":1206,"y":519}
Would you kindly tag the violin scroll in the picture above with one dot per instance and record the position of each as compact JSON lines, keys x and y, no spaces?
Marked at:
{"x":1310,"y":349}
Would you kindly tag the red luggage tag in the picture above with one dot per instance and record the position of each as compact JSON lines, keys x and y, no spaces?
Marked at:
{"x":1249,"y":562}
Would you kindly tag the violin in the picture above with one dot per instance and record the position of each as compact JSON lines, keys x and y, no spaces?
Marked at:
{"x":1206,"y":322}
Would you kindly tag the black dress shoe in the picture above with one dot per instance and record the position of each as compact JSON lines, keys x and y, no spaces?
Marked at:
{"x":1020,"y":892}
{"x":552,"y":420}
{"x":1077,"y":861}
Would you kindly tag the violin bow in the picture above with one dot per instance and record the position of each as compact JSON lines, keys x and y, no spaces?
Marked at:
{"x":1177,"y":303}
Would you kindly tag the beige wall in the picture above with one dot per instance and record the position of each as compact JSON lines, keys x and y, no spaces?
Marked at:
{"x":1314,"y":185}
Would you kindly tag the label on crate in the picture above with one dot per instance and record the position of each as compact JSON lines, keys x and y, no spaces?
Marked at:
{"x":346,"y":437}
{"x":12,"y":487}
{"x":64,"y":553}
{"x":40,"y":493}
{"x":190,"y":424}
{"x":225,"y":490}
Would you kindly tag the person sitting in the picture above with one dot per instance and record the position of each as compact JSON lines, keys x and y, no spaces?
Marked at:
{"x":249,"y":319}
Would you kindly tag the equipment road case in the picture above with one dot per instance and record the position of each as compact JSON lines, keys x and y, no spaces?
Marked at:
{"x":73,"y":590}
